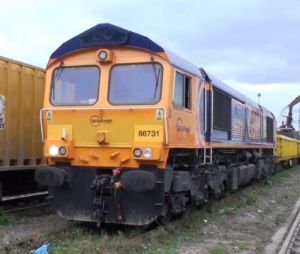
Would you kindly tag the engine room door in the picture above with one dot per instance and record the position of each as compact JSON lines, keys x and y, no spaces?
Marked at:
{"x":207,"y":112}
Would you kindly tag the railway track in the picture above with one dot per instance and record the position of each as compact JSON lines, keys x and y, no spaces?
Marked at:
{"x":24,"y":207}
{"x":290,"y":243}
{"x":40,"y":194}
{"x":287,"y":238}
{"x":18,"y":203}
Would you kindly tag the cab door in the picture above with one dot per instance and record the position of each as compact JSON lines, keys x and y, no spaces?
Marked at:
{"x":205,"y":111}
{"x":182,"y":123}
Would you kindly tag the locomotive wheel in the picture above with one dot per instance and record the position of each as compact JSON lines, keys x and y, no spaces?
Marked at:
{"x":219,"y":192}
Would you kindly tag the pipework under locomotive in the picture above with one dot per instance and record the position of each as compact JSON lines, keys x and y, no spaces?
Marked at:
{"x":134,"y":133}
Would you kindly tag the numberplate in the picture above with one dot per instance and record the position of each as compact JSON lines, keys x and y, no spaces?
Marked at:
{"x":148,"y":133}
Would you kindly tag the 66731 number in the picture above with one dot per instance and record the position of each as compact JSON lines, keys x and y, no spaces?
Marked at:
{"x":148,"y":133}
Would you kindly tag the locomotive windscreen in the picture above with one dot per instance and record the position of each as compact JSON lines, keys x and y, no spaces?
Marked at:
{"x":135,"y":83}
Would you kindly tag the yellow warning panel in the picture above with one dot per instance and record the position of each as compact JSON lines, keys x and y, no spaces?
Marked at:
{"x":148,"y":133}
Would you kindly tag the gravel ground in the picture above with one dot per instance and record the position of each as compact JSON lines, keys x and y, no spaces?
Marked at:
{"x":40,"y":225}
{"x":249,"y":229}
{"x":28,"y":227}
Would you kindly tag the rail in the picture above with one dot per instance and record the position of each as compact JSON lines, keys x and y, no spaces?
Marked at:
{"x":291,"y":244}
{"x":287,"y":238}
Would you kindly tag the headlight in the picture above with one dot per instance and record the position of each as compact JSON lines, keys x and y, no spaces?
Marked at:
{"x":102,"y":55}
{"x":147,"y":152}
{"x":53,"y":150}
{"x":137,"y":152}
{"x":62,"y":150}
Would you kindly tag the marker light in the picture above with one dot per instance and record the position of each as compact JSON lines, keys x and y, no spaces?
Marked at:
{"x":137,"y":152}
{"x":102,"y":55}
{"x":62,"y":150}
{"x":53,"y":150}
{"x":147,"y":152}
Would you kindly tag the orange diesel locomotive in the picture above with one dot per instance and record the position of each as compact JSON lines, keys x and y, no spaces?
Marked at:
{"x":134,"y":133}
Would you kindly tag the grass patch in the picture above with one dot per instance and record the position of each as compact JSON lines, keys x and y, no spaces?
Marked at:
{"x":218,"y":250}
{"x":242,"y":246}
{"x":249,"y":198}
{"x":280,"y":218}
{"x":3,"y":218}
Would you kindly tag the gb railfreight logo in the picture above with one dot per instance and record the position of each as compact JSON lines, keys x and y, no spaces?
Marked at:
{"x":181,"y":129}
{"x":96,"y":121}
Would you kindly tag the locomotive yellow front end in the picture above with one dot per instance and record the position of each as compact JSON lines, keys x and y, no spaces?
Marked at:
{"x":104,"y":128}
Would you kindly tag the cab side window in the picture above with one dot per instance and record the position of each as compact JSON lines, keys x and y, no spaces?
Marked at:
{"x":182,"y":97}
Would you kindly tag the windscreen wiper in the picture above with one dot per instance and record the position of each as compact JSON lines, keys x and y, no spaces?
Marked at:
{"x":156,"y":77}
{"x":56,"y":77}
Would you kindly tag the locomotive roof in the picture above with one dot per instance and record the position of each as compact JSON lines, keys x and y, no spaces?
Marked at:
{"x":106,"y":35}
{"x":183,"y":64}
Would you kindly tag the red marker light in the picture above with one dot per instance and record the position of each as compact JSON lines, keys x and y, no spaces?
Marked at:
{"x":116,"y":171}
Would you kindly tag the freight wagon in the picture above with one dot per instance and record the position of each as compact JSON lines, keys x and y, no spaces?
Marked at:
{"x":287,"y":150}
{"x":21,"y":98}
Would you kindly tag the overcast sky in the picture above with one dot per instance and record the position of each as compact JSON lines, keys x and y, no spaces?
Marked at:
{"x":252,"y":45}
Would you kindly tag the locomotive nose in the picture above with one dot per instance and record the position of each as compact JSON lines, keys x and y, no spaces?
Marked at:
{"x":50,"y":176}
